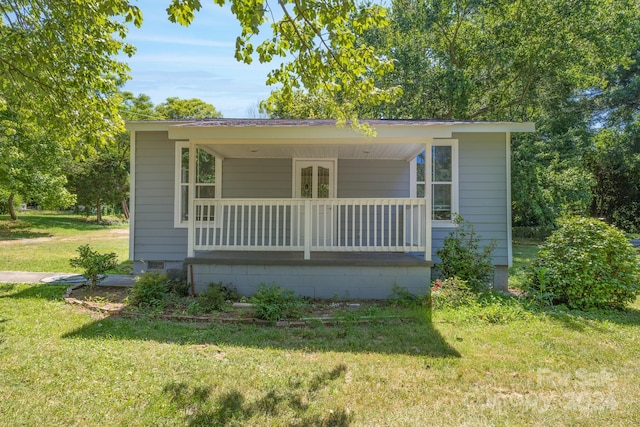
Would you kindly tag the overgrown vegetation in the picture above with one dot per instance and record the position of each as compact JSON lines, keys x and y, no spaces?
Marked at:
{"x":273,"y":303}
{"x":463,"y":256}
{"x":451,"y":292}
{"x":94,"y":265}
{"x":150,"y":290}
{"x":217,"y":297}
{"x":585,"y":264}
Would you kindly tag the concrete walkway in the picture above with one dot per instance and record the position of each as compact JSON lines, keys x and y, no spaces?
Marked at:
{"x":29,"y":277}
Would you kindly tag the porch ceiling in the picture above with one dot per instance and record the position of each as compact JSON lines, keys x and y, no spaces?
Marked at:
{"x":318,"y":151}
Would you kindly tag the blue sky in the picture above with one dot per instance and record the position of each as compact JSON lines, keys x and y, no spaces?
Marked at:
{"x":195,"y":61}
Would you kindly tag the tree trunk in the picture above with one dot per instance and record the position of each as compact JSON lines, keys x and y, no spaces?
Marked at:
{"x":99,"y":211}
{"x":125,"y":208}
{"x":12,"y":209}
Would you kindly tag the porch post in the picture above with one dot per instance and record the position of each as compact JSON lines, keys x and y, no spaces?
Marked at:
{"x":427,"y":195}
{"x":307,"y":229}
{"x":191,"y":208}
{"x":191,"y":230}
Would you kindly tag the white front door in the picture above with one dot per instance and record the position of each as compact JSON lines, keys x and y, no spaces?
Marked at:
{"x":315,"y":179}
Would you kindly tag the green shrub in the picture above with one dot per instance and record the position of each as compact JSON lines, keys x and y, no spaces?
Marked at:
{"x":150,"y":290}
{"x":585,"y":264}
{"x":275,"y":303}
{"x":462,"y":256}
{"x":216,"y":297}
{"x":401,"y":297}
{"x":451,"y":292}
{"x":94,"y":264}
{"x":179,"y":287}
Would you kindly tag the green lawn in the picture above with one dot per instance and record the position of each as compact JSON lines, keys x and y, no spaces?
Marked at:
{"x":46,"y":241}
{"x":64,"y":366}
{"x":524,"y":251}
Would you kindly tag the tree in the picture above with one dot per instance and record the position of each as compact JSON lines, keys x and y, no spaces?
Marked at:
{"x":184,"y":109}
{"x":58,"y":65}
{"x":31,"y":165}
{"x":614,"y":159}
{"x":615,"y":165}
{"x":505,"y":60}
{"x":101,"y":177}
{"x":499,"y":59}
{"x":318,"y":41}
{"x":100,"y":181}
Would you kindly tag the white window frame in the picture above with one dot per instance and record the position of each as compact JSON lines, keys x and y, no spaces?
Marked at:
{"x":178,"y":184}
{"x":453,"y":143}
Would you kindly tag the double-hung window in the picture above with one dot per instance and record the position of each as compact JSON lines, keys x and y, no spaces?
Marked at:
{"x":443,"y":179}
{"x":199,"y":174}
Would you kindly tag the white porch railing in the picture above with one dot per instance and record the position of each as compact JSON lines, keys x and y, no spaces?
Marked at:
{"x":330,"y":225}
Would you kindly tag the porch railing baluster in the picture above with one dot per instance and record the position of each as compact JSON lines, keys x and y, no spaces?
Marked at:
{"x":337,"y":225}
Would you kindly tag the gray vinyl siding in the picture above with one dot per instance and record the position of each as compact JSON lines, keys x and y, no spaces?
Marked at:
{"x":361,"y":178}
{"x":482,"y":190}
{"x":156,"y":239}
{"x":272,"y":178}
{"x":256,"y":178}
{"x":373,"y":178}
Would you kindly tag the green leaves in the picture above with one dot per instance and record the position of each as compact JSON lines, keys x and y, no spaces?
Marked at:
{"x":183,"y":109}
{"x":499,"y":60}
{"x":94,"y":264}
{"x":586,"y":264}
{"x":183,"y":11}
{"x":319,"y":41}
{"x":58,"y":66}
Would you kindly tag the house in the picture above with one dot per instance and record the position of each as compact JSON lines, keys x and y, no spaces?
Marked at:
{"x":320,"y":209}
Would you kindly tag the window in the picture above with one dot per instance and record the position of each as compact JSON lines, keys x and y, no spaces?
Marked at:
{"x":443,"y":179}
{"x":207,"y":174}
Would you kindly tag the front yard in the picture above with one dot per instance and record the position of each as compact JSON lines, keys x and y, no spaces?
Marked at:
{"x":499,"y":365}
{"x":495,"y":363}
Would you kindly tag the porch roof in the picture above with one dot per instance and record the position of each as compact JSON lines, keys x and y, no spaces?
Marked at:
{"x":282,"y":138}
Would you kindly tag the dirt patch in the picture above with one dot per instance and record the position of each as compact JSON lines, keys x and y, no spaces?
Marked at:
{"x":101,"y":298}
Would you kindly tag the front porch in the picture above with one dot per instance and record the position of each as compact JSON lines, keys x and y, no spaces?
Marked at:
{"x":320,"y":248}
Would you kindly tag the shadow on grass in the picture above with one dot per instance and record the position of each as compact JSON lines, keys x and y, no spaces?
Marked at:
{"x":416,"y":336}
{"x":577,"y":320}
{"x":201,"y":407}
{"x":48,"y":292}
{"x":26,"y":223}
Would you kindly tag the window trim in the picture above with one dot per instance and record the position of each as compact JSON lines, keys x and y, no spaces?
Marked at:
{"x":191,"y":184}
{"x":178,"y":184}
{"x":453,"y":143}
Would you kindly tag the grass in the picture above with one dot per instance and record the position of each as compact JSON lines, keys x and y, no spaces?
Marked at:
{"x":494,"y":363}
{"x":46,"y":241}
{"x":524,"y":251}
{"x":64,"y":366}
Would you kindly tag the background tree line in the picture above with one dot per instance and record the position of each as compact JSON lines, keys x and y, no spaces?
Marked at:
{"x":571,"y":66}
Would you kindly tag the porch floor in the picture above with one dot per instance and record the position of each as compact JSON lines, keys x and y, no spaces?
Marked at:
{"x":296,"y":258}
